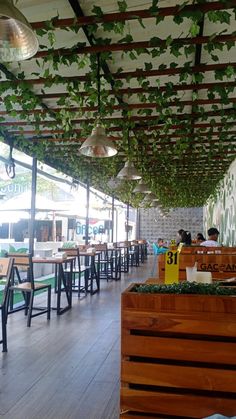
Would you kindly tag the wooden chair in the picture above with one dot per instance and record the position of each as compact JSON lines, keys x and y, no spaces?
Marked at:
{"x":105,"y":263}
{"x":28,"y":287}
{"x":6,"y":265}
{"x":78,"y":270}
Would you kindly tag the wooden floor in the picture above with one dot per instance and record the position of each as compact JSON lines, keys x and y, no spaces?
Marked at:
{"x":68,"y":367}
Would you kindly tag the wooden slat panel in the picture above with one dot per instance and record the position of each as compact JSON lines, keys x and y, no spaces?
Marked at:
{"x":164,"y":303}
{"x":188,"y":323}
{"x":197,"y":378}
{"x":179,"y":349}
{"x":176,"y":404}
{"x":221,"y":265}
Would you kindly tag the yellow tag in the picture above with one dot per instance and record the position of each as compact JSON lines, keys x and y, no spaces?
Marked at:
{"x":173,"y":242}
{"x":172,"y":267}
{"x":180,"y":247}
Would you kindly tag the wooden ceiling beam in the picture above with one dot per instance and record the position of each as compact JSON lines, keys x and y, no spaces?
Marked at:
{"x":136,"y":118}
{"x":126,"y":106}
{"x":136,"y":90}
{"x":136,"y":14}
{"x":78,"y":131}
{"x":94,"y":49}
{"x":203,"y":68}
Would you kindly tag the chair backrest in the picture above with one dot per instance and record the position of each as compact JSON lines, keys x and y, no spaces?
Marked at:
{"x":6,"y":267}
{"x":23,"y":262}
{"x":83,"y":247}
{"x":69,"y":252}
{"x":72,"y":252}
{"x":101,"y":247}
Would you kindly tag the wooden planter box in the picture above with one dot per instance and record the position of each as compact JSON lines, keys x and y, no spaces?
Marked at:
{"x":178,"y":355}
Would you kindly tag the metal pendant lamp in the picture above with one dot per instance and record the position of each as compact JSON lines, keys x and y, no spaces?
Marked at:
{"x":98,"y":144}
{"x":153,"y":197}
{"x":129,"y":172}
{"x":142,"y":188}
{"x":17,"y":38}
{"x":146,"y":200}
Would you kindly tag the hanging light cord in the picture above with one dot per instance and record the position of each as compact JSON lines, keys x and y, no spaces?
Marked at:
{"x":10,"y":165}
{"x":128,"y":141}
{"x":98,"y":83}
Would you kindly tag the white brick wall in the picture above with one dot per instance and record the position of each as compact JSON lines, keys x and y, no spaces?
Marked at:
{"x":152,"y":225}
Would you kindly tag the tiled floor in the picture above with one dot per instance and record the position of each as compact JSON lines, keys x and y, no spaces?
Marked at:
{"x":68,"y":367}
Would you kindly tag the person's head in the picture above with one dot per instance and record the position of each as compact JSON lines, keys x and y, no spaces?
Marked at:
{"x":200,"y":238}
{"x":213,"y":234}
{"x":180,"y":232}
{"x":186,"y":238}
{"x":160,"y":242}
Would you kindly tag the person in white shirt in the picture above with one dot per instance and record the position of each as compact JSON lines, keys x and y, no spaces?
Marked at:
{"x":212,"y":241}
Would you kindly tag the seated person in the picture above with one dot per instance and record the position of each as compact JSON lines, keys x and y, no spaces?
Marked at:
{"x":212,"y":241}
{"x":186,"y":239}
{"x":179,"y":236}
{"x":200,"y":238}
{"x":161,"y":243}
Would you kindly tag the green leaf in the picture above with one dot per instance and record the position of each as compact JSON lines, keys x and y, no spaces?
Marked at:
{"x":169,"y":40}
{"x":96,"y":10}
{"x":154,"y":7}
{"x":194,"y":29}
{"x":122,"y":6}
{"x":155,"y":41}
{"x":148,"y":66}
{"x":141,"y":23}
{"x":127,"y":39}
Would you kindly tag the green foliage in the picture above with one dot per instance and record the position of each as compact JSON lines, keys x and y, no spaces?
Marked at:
{"x":171,"y":162}
{"x":184,"y":287}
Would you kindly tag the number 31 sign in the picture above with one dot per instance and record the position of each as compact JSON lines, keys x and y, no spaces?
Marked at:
{"x":172,"y":267}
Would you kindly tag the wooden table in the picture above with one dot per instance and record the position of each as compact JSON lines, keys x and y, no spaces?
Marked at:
{"x":64,"y":282}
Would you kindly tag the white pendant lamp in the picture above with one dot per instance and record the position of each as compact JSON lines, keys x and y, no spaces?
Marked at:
{"x":153,"y":197}
{"x":129,"y":172}
{"x":98,"y":144}
{"x":114,"y":183}
{"x":18,"y":41}
{"x":146,"y":200}
{"x":142,"y":188}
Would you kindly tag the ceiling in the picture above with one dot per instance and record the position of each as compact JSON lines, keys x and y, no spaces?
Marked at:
{"x":168,"y":77}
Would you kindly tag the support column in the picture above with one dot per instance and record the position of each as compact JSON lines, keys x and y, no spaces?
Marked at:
{"x":87,"y":215}
{"x":112,"y":218}
{"x":138,"y":224}
{"x":127,"y":223}
{"x":32,"y":210}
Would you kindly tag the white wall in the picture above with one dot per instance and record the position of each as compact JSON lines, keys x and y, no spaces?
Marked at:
{"x":220,"y":212}
{"x":153,"y":226}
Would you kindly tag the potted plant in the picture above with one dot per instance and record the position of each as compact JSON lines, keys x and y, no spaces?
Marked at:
{"x":178,"y":350}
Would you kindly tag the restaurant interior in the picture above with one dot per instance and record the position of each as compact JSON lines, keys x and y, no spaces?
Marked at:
{"x":117,"y":129}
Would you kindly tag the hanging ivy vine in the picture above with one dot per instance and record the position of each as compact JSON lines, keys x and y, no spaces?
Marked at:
{"x":178,"y":163}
